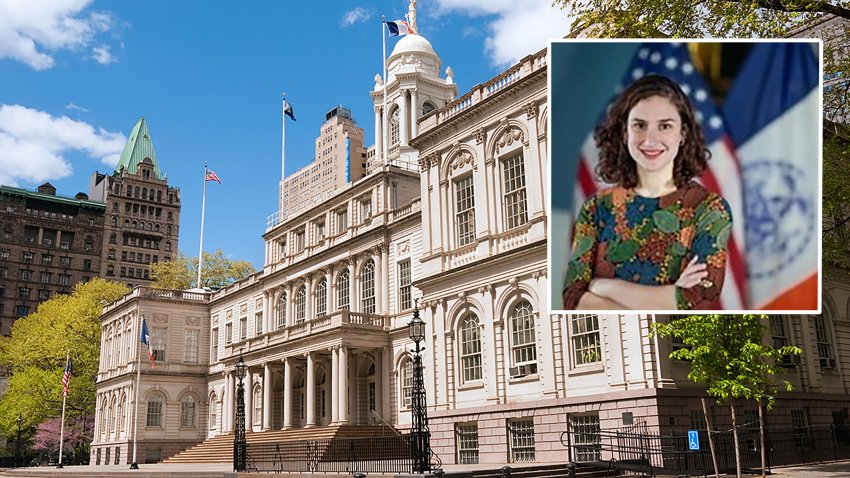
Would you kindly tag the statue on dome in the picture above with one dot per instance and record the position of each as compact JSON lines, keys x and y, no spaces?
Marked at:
{"x":411,"y":16}
{"x":378,"y":81}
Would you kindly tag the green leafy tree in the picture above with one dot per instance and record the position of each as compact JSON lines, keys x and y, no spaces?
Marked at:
{"x":727,"y":353}
{"x":182,"y":272}
{"x":36,"y":351}
{"x":836,"y":197}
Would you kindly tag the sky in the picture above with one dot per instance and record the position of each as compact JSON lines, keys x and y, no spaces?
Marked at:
{"x":76,"y":75}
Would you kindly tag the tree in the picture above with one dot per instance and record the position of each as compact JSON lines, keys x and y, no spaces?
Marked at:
{"x":36,"y":351}
{"x":77,"y":432}
{"x":686,"y":19}
{"x":836,"y":196}
{"x":182,"y":272}
{"x":727,"y":353}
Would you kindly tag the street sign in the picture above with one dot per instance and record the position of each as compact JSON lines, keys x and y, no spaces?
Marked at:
{"x":693,"y":440}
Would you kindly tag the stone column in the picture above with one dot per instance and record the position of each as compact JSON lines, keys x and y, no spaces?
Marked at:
{"x":379,"y":134}
{"x":288,"y":321}
{"x":354,"y":296}
{"x":414,"y":113}
{"x":343,"y":384}
{"x":386,"y":383}
{"x":334,"y":386}
{"x":287,"y":393}
{"x":385,"y":264}
{"x":380,"y":283}
{"x":379,"y":384}
{"x":231,"y":400}
{"x":274,"y":310}
{"x":310,"y":306}
{"x":249,"y":401}
{"x":402,"y":118}
{"x":311,"y":391}
{"x":267,"y":313}
{"x":267,"y":397}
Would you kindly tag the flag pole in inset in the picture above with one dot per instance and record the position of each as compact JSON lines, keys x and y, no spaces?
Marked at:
{"x":203,"y":205}
{"x":66,"y":378}
{"x":386,"y":83}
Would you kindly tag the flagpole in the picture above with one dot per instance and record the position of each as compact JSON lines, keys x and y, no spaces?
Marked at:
{"x":386,"y":84}
{"x":62,"y":426}
{"x":135,"y":464}
{"x":203,"y":205}
{"x":282,"y":155}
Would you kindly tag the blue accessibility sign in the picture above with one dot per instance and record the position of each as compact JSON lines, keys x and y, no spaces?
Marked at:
{"x":693,"y":440}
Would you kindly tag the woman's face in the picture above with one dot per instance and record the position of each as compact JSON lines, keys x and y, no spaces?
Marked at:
{"x":654,"y":134}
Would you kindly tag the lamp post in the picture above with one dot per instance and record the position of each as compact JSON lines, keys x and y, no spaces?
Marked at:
{"x":18,"y":459}
{"x":240,"y":445}
{"x":421,"y":436}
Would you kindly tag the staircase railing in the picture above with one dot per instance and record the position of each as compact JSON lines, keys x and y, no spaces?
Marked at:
{"x":384,"y":423}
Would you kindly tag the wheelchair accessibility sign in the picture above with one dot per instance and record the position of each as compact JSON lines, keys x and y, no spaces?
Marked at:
{"x":693,"y":440}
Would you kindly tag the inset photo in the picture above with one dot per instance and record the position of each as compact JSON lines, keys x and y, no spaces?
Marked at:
{"x":685,"y":176}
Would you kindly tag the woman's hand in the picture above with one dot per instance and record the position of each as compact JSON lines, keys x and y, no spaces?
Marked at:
{"x":693,"y":274}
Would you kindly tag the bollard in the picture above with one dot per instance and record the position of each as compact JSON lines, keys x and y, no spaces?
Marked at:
{"x":359,"y":474}
{"x":506,"y":471}
{"x":571,"y":470}
{"x":439,"y":473}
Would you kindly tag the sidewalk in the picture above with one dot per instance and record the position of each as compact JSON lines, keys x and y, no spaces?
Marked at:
{"x":840,"y":469}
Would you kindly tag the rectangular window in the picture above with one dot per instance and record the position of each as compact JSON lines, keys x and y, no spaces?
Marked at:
{"x":516,"y":210}
{"x":258,"y":324}
{"x":26,"y":275}
{"x":466,"y":443}
{"x":521,"y":440}
{"x":3,"y":272}
{"x":64,"y":279}
{"x":584,"y":334}
{"x":46,"y":259}
{"x":320,"y":230}
{"x":341,"y":221}
{"x":823,"y":343}
{"x":228,"y":333}
{"x":365,"y":208}
{"x":22,"y":311}
{"x":465,"y":214}
{"x":243,"y":328}
{"x":405,"y":299}
{"x":45,"y":277}
{"x":27,"y":256}
{"x":159,"y":339}
{"x":190,"y":346}
{"x":299,"y":240}
{"x":214,"y":341}
{"x":800,"y":426}
{"x":585,"y":437}
{"x":24,"y":293}
{"x":696,"y":420}
{"x":154,"y":418}
{"x":65,"y":262}
{"x":4,"y":253}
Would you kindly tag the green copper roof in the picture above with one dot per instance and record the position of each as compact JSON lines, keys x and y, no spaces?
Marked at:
{"x":137,"y":149}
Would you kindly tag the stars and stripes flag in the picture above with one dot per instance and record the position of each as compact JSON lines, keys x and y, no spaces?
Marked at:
{"x":146,"y":341}
{"x":211,"y":176}
{"x":723,"y":175}
{"x":66,"y":378}
{"x":771,"y":113}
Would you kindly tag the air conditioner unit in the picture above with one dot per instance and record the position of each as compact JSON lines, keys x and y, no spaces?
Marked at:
{"x":523,"y":370}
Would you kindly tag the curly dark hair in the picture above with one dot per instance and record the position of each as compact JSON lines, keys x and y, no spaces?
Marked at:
{"x":616,"y":165}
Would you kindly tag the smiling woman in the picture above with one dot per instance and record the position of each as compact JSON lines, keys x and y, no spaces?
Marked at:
{"x":657,"y":240}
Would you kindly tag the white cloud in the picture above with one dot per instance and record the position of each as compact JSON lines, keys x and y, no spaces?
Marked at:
{"x":32,"y":31}
{"x":519,"y":27}
{"x":33,"y":144}
{"x":75,"y":107}
{"x":102,"y":55}
{"x":351,"y":17}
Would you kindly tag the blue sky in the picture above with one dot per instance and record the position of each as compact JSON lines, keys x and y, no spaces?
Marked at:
{"x":75,"y":75}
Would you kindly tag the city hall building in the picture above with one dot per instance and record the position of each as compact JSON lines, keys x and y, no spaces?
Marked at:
{"x":453,"y":223}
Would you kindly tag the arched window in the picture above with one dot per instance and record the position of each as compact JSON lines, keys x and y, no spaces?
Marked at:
{"x":187,"y":412}
{"x":342,"y":290}
{"x":394,"y":127}
{"x":120,"y":413}
{"x":258,"y":406}
{"x":154,"y":415}
{"x":523,"y":348}
{"x":322,"y":297}
{"x":427,"y":107}
{"x":114,"y":221}
{"x":281,"y":311}
{"x":470,"y":348}
{"x":213,"y":412}
{"x":301,"y":305}
{"x":103,"y":412}
{"x":111,"y":419}
{"x":367,"y":287}
{"x":407,"y":383}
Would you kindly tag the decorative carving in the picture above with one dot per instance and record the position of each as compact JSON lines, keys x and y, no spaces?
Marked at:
{"x":378,"y":83}
{"x":514,"y":283}
{"x":461,"y":159}
{"x":423,"y":164}
{"x":258,"y":304}
{"x":450,"y":74}
{"x":243,"y":309}
{"x":461,"y":296}
{"x":531,"y":109}
{"x":160,"y":318}
{"x":403,"y":247}
{"x":229,"y":314}
{"x":192,"y":321}
{"x":485,"y":288}
{"x":508,"y":137}
{"x":480,"y":135}
{"x":434,"y":158}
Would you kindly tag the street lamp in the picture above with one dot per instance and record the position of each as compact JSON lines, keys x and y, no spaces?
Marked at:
{"x":18,"y":459}
{"x":421,"y":436}
{"x":240,"y":445}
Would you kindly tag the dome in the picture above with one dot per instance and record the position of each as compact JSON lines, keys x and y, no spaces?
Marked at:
{"x":413,"y":44}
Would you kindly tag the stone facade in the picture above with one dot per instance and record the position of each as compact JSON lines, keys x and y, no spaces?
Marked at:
{"x":48,"y":244}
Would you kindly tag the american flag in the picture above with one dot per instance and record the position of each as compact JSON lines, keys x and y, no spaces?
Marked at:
{"x":723,"y":175}
{"x":66,"y":378}
{"x":212,"y":176}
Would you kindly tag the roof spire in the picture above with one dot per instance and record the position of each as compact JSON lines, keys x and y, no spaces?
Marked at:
{"x":139,"y":147}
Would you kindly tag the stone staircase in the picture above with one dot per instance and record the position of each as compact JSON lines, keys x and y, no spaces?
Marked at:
{"x":219,"y":449}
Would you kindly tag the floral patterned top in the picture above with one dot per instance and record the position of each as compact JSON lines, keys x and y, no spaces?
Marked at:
{"x":621,"y":235}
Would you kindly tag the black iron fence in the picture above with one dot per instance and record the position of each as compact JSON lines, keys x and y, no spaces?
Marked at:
{"x":385,"y":454}
{"x":668,"y":452}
